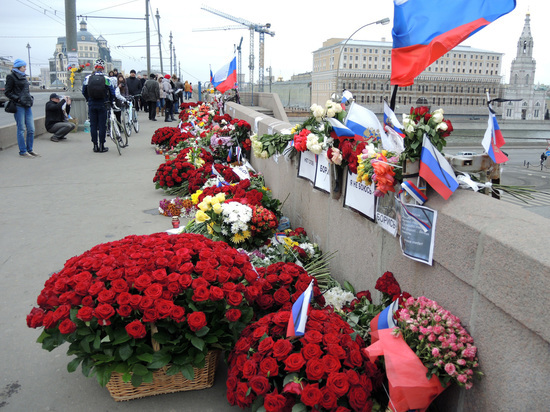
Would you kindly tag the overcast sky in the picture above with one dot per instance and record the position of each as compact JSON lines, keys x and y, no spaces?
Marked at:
{"x":300,"y":28}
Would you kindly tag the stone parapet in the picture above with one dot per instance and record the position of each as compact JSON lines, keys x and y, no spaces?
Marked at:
{"x":491,"y":268}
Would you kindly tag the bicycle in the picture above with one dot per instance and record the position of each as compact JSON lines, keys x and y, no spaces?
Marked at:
{"x":129,"y":116}
{"x":113,"y":129}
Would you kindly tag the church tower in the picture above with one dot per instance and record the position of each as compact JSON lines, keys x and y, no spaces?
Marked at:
{"x":522,"y":81}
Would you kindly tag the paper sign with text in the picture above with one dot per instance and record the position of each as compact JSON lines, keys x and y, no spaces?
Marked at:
{"x":308,"y":166}
{"x":322,"y":177}
{"x":359,"y":196}
{"x":416,"y":243}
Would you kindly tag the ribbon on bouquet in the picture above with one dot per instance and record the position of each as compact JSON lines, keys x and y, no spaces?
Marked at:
{"x":221,"y":180}
{"x":466,"y":182}
{"x":288,"y":148}
{"x":423,"y":225}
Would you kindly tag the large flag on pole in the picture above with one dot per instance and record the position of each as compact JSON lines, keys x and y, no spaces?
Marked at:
{"x":298,"y":316}
{"x":435,"y":169}
{"x":493,"y":140}
{"x":424,"y":30}
{"x":226,"y":77}
{"x":339,"y":130}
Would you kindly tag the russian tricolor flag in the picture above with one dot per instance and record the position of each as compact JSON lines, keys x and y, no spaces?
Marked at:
{"x":384,"y":320}
{"x":364,"y":123}
{"x":414,"y":191}
{"x":424,"y":30}
{"x":390,"y":120}
{"x":493,"y":140}
{"x":435,"y":169}
{"x":339,"y":129}
{"x":226,"y":77}
{"x":298,"y":317}
{"x":347,"y":95}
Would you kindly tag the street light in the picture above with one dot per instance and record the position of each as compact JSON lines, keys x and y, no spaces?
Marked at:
{"x":30,"y":67}
{"x":383,"y":21}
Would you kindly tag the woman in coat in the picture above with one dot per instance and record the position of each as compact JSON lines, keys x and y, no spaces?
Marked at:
{"x":17,"y":89}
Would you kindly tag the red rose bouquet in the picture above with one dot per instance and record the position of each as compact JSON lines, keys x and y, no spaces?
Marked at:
{"x":419,"y":122}
{"x":162,"y":136}
{"x":184,"y":291}
{"x":278,"y":285}
{"x":323,"y":371}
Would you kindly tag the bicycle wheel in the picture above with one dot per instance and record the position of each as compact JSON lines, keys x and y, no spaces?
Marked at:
{"x":123,"y":137}
{"x":135,"y":120}
{"x":126,"y":126}
{"x":115,"y":135}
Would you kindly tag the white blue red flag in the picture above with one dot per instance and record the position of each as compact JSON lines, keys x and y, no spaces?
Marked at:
{"x":364,"y":123}
{"x":390,"y":120}
{"x":226,"y":77}
{"x":339,"y":129}
{"x":298,"y":316}
{"x":384,"y":320}
{"x":435,"y":170}
{"x":493,"y":140}
{"x":424,"y":30}
{"x":414,"y":191}
{"x":347,"y":95}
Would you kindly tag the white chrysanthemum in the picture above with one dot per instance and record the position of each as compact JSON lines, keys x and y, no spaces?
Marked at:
{"x":337,"y":297}
{"x":308,"y":248}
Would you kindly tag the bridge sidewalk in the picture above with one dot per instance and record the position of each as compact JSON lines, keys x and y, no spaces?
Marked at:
{"x":51,"y":209}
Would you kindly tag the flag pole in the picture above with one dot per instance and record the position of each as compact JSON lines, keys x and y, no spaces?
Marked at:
{"x":393,"y":96}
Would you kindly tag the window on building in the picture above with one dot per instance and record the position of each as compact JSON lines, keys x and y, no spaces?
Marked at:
{"x":368,"y":86}
{"x":362,"y":99}
{"x":509,"y":113}
{"x":536,"y":113}
{"x":443,"y":101}
{"x":435,"y":87}
{"x":355,"y":86}
{"x":356,"y":58}
{"x":433,"y":100}
{"x":460,"y":101}
{"x":363,"y":86}
{"x":364,"y":66}
{"x":456,"y":100}
{"x":356,"y":65}
{"x":368,"y":99}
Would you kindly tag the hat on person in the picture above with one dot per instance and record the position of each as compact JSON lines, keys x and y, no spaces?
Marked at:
{"x":152,"y":76}
{"x":19,"y":63}
{"x":166,"y":76}
{"x":99,"y":63}
{"x":55,"y":96}
{"x":133,"y":71}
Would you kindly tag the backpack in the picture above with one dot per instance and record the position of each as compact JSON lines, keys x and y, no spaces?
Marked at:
{"x":96,"y":86}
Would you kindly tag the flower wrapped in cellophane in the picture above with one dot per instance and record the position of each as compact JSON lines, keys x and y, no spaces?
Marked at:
{"x":378,"y":166}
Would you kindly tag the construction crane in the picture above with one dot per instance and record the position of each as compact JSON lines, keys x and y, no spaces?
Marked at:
{"x":239,"y":62}
{"x":262,"y":30}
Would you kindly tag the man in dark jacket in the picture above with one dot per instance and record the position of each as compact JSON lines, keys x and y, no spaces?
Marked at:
{"x":151,"y":94}
{"x":57,"y":110}
{"x":97,"y":111}
{"x":134,"y":87}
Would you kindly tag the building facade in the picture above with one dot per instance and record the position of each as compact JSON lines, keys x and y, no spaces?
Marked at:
{"x":529,"y":100}
{"x":457,"y":82}
{"x":89,"y":48}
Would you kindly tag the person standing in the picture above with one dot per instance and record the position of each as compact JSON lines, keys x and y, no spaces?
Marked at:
{"x":142,"y":101}
{"x":98,"y":91}
{"x":168,"y":98}
{"x":134,"y":88}
{"x":186,"y":89}
{"x":179,"y":92}
{"x":57,"y":110}
{"x":151,"y":93}
{"x":17,"y":89}
{"x":121,"y":96}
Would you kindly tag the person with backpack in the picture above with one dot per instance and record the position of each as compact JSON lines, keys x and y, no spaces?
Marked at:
{"x":98,"y":91}
{"x":151,"y":93}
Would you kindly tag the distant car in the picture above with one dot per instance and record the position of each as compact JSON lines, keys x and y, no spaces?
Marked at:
{"x":3,"y":98}
{"x":466,"y":154}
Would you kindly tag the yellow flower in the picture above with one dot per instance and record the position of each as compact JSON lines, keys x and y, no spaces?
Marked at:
{"x":289,"y":242}
{"x":203,"y":206}
{"x":209,"y":227}
{"x":237,"y":238}
{"x":214,"y":201}
{"x":217,"y":208}
{"x":201,"y":217}
{"x":220,"y":197}
{"x":247,"y":234}
{"x":195,"y":196}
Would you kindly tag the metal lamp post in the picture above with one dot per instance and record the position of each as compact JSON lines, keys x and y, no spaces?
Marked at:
{"x":383,"y":21}
{"x":30,"y":67}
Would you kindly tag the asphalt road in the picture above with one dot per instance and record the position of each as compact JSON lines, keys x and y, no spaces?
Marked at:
{"x":38,"y":108}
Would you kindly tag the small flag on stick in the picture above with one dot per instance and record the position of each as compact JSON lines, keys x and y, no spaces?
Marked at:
{"x":298,"y":316}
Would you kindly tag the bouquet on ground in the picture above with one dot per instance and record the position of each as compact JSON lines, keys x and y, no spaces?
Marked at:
{"x":176,"y":207}
{"x":268,"y":145}
{"x":425,"y":349}
{"x":184,"y":291}
{"x":419,"y":122}
{"x":234,"y":221}
{"x":323,"y":371}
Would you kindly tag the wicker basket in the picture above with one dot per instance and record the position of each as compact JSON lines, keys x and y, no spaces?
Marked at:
{"x":162,"y":383}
